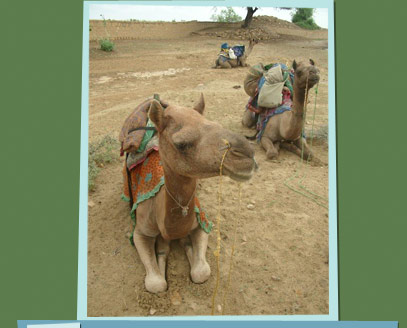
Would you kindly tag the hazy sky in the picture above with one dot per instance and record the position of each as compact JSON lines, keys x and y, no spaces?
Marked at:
{"x":178,"y":13}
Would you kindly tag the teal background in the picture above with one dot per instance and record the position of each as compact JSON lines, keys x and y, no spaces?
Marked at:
{"x":40,"y":83}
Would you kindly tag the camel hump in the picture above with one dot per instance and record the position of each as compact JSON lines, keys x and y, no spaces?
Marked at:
{"x":135,"y":126}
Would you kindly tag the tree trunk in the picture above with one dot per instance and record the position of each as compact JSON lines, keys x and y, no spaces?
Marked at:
{"x":249,"y":16}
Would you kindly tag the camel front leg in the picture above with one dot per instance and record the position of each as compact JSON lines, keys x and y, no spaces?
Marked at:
{"x":162,"y":249}
{"x":270,"y":147}
{"x":200,"y":270}
{"x":145,"y":245}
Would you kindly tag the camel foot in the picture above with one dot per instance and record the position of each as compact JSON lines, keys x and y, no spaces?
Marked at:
{"x":200,"y":272}
{"x":155,"y":284}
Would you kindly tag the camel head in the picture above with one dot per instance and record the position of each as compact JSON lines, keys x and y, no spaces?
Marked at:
{"x":192,"y":146}
{"x":304,"y":72}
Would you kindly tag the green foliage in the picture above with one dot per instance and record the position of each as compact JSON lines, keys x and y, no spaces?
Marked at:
{"x":303,"y":18}
{"x":101,"y":152}
{"x":106,"y":45}
{"x":227,"y":15}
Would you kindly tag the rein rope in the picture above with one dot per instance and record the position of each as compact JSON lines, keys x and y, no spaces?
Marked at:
{"x":306,"y":192}
{"x":218,"y":219}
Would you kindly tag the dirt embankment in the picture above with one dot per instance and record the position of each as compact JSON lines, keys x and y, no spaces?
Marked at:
{"x":262,"y":28}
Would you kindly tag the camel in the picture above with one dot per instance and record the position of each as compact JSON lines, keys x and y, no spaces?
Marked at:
{"x":190,"y":148}
{"x":222,"y":62}
{"x":285,"y":129}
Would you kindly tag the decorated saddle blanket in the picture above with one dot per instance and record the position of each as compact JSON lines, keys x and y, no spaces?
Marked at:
{"x":237,"y":51}
{"x":147,"y":178}
{"x":264,"y":113}
{"x":129,"y":137}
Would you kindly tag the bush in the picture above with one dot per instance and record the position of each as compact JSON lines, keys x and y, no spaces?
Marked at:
{"x":303,"y":18}
{"x":106,"y":45}
{"x":227,"y":15}
{"x":101,"y":152}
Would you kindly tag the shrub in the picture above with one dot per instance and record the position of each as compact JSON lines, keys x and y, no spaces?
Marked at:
{"x":101,"y":152}
{"x":106,"y":45}
{"x":303,"y":18}
{"x":227,"y":15}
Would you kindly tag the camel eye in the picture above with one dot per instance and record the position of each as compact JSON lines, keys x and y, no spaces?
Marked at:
{"x":183,"y":146}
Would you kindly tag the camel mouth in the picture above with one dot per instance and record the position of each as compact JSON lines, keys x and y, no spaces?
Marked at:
{"x":314,"y":79}
{"x":240,"y":176}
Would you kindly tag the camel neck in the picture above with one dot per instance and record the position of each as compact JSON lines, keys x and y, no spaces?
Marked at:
{"x":298,"y":101}
{"x":179,"y":203}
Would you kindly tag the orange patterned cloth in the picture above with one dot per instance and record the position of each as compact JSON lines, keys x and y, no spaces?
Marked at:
{"x":147,"y":178}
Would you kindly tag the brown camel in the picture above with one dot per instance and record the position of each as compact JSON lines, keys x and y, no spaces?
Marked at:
{"x":285,"y":129}
{"x":222,"y":62}
{"x":190,"y":148}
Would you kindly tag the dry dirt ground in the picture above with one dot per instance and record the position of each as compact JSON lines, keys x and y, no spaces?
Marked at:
{"x":281,"y":257}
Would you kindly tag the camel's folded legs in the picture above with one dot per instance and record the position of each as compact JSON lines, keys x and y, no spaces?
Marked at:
{"x":145,"y":245}
{"x":196,"y":253}
{"x":248,"y":119}
{"x":186,"y":243}
{"x":162,"y":249}
{"x":301,"y":142}
{"x":270,"y":147}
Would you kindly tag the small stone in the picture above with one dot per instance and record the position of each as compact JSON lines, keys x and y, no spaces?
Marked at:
{"x":176,"y":298}
{"x":152,"y":311}
{"x":253,"y":202}
{"x":244,"y":238}
{"x":250,"y":207}
{"x":219,"y":308}
{"x":275,"y":278}
{"x":91,"y":203}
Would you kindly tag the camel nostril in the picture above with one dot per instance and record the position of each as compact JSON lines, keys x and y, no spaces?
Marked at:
{"x":242,"y":152}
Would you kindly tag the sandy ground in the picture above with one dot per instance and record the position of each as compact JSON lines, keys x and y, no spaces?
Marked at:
{"x":281,"y":257}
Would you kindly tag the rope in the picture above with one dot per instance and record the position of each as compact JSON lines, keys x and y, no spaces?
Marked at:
{"x":232,"y":250}
{"x":218,"y":218}
{"x":307,"y":193}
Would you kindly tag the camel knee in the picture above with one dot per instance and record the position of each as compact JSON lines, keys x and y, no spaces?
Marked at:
{"x":200,"y":272}
{"x":272,"y":154}
{"x":155,"y":283}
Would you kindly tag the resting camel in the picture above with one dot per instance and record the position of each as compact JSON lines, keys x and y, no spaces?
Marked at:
{"x":285,"y":129}
{"x":190,"y":148}
{"x":222,"y":62}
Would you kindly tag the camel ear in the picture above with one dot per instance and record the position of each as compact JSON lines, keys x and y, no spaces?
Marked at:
{"x":200,"y":106}
{"x":312,"y":62}
{"x":294,"y":65}
{"x":156,"y":114}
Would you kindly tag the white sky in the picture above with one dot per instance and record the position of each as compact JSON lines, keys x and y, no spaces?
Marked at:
{"x":187,"y":13}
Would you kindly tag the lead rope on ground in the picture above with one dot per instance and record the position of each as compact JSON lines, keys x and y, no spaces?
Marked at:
{"x":232,"y":249}
{"x":311,"y":140}
{"x":311,"y":195}
{"x":218,"y":218}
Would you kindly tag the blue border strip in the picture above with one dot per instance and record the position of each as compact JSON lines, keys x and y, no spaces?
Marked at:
{"x":333,"y":258}
{"x":83,"y":184}
{"x":235,"y":324}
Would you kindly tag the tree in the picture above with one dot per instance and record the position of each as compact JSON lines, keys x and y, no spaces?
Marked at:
{"x":227,"y":15}
{"x":249,"y":16}
{"x":303,"y":18}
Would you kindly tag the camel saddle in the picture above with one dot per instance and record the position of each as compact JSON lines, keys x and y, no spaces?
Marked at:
{"x":135,"y":127}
